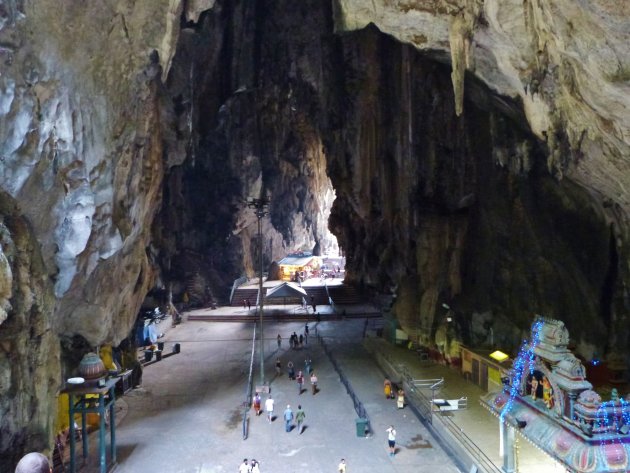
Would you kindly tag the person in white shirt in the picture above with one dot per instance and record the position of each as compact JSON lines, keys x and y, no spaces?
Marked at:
{"x":244,"y":468}
{"x":269,"y":408}
{"x":391,"y":440}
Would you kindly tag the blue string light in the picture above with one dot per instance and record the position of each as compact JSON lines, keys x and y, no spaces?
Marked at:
{"x":625,"y":414}
{"x":610,"y":422}
{"x":524,"y":359}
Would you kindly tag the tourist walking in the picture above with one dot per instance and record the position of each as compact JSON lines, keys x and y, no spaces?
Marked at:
{"x":299,"y":418}
{"x":301,"y":339}
{"x":291,"y":370}
{"x":308,"y":365}
{"x":279,"y":341}
{"x":391,"y":440}
{"x":278,"y":366}
{"x":300,"y":382}
{"x":387,"y":388}
{"x":288,"y":417}
{"x":269,"y":408}
{"x":400,"y":400}
{"x":342,"y":466}
{"x":314,"y":382}
{"x":255,"y":466}
{"x":306,"y":328}
{"x":249,"y":305}
{"x":256,"y":404}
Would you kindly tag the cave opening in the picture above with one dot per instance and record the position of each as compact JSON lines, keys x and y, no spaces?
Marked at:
{"x":355,"y":139}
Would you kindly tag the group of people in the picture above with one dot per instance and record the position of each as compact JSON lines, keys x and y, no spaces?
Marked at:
{"x":388,"y":390}
{"x":247,"y":467}
{"x":296,"y":341}
{"x":299,"y":377}
{"x":287,"y":415}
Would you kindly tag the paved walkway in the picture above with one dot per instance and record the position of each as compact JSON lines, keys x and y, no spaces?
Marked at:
{"x":475,"y":422}
{"x":187,"y":415}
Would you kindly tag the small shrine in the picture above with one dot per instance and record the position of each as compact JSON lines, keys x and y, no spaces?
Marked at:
{"x":548,"y":400}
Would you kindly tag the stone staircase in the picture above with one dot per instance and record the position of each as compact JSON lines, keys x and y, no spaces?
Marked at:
{"x":345,"y":295}
{"x":241,"y":294}
{"x":318,"y":293}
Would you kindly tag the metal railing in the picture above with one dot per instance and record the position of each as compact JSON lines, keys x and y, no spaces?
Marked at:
{"x":358,"y":405}
{"x":331,"y":303}
{"x":421,"y":403}
{"x":237,"y":282}
{"x":248,"y":396}
{"x":480,"y":459}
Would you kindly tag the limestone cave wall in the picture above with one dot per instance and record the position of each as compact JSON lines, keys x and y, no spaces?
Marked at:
{"x":80,"y":180}
{"x":436,"y":208}
{"x":437,"y":201}
{"x":244,"y":103}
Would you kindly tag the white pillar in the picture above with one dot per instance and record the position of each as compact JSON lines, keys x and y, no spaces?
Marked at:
{"x":509,"y":460}
{"x":501,"y":428}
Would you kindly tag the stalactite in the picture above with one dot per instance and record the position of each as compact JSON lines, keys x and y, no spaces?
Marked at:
{"x":461,"y":31}
{"x":191,"y":116}
{"x":459,"y":43}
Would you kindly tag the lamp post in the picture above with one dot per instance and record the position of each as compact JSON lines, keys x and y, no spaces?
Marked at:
{"x":260,"y":210}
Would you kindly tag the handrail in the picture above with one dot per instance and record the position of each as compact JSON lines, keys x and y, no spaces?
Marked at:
{"x":358,"y":405}
{"x":237,"y":282}
{"x":248,"y":396}
{"x":423,"y":407}
{"x":482,"y":459}
{"x":331,"y":303}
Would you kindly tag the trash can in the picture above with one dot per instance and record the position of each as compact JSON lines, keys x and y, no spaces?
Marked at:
{"x":361,"y":424}
{"x":176,"y":347}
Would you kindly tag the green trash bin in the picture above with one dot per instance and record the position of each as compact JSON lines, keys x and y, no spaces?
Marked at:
{"x":361,"y":424}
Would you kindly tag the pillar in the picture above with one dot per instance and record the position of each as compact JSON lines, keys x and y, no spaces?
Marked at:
{"x":509,"y":457}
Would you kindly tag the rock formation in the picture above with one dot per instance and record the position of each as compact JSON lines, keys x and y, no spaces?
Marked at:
{"x":478,"y":152}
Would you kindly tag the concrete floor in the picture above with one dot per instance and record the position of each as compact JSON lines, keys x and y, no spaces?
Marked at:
{"x":188,"y":414}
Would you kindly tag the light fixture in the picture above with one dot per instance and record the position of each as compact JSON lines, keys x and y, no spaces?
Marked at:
{"x":499,"y":356}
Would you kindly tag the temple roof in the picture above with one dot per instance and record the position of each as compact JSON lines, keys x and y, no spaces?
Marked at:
{"x":566,"y":444}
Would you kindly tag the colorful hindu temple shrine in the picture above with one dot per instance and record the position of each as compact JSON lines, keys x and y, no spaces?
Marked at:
{"x":547,"y":399}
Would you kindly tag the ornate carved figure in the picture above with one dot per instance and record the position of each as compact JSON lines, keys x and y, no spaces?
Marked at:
{"x":547,"y":392}
{"x":534,"y":387}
